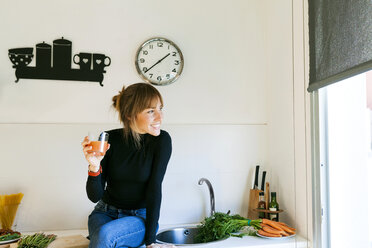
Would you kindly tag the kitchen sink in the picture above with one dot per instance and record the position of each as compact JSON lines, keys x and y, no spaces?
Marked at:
{"x":178,"y":236}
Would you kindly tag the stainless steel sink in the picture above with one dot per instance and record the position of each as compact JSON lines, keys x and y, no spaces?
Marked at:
{"x":178,"y":236}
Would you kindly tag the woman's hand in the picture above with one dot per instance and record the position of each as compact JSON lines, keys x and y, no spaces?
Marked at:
{"x":161,"y":246}
{"x":92,"y":158}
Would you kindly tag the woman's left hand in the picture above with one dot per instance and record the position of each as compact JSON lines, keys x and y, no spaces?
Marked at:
{"x":161,"y":246}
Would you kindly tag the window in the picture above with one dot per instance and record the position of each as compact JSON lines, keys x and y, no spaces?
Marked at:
{"x":345,"y":124}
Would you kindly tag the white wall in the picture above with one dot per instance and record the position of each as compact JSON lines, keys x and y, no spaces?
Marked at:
{"x":280,"y":107}
{"x":44,"y":161}
{"x":289,"y":111}
{"x":222,"y":43}
{"x":232,"y":107}
{"x":215,"y":112}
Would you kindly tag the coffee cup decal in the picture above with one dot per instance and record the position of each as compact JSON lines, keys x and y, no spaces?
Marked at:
{"x":100,"y":61}
{"x":54,"y":63}
{"x":84,"y":60}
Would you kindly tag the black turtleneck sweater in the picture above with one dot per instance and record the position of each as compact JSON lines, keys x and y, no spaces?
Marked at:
{"x":131,"y":178}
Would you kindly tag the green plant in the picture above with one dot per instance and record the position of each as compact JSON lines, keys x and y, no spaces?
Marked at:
{"x":37,"y":240}
{"x":9,"y":236}
{"x":220,"y":226}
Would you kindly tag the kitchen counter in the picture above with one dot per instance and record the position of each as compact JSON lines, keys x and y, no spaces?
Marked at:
{"x":232,"y":242}
{"x":248,"y":241}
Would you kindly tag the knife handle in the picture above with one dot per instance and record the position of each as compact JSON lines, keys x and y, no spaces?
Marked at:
{"x":263,"y":180}
{"x":256,"y":177}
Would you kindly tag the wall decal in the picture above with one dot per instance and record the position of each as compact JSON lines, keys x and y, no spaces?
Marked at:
{"x":91,"y":65}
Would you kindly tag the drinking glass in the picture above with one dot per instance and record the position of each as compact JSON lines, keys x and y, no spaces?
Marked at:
{"x":100,"y":144}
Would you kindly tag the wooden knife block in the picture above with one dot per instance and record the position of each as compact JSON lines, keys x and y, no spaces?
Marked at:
{"x":253,"y":203}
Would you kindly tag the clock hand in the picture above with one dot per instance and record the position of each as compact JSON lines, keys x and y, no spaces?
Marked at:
{"x":160,"y":60}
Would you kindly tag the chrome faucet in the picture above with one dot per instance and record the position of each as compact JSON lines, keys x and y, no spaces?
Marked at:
{"x":211,"y":193}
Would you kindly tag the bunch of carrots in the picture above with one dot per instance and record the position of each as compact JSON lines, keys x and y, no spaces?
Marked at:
{"x":220,"y":226}
{"x":271,"y":228}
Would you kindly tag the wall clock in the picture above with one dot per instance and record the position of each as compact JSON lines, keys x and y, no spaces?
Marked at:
{"x":159,"y":61}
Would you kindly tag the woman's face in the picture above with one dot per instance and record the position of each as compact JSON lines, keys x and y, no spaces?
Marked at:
{"x":150,"y":119}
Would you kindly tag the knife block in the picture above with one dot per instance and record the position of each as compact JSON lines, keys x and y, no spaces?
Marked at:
{"x":253,"y":203}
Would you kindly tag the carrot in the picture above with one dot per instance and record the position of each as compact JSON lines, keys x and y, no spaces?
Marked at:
{"x":267,"y":221}
{"x":263,"y":233}
{"x":269,"y":229}
{"x":288,"y":230}
{"x":272,"y":230}
{"x":284,"y":224}
{"x":273,"y":224}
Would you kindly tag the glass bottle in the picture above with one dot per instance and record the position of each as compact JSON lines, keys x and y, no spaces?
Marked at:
{"x":273,"y":206}
{"x":261,"y":205}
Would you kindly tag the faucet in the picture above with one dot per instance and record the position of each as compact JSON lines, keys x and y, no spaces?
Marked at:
{"x":211,"y":193}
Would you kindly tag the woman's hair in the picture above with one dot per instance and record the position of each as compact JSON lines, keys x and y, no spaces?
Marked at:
{"x":131,"y":101}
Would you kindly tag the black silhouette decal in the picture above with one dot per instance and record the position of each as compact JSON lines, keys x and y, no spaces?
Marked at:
{"x":91,"y":65}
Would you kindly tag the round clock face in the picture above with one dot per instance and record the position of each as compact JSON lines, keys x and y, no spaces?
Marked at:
{"x":159,"y":61}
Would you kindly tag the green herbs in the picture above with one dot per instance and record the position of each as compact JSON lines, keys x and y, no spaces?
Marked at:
{"x":220,"y":226}
{"x":37,"y":240}
{"x":9,"y":236}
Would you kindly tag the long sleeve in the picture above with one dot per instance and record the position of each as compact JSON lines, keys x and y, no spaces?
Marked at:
{"x":95,"y":185}
{"x":162,"y":154}
{"x":132,"y":177}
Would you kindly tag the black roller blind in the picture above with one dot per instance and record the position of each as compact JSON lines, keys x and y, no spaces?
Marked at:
{"x":340,"y":40}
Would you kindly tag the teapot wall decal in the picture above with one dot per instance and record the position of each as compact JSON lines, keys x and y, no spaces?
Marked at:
{"x":91,"y":65}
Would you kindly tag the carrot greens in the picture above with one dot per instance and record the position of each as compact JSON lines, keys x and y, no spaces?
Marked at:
{"x":220,"y":226}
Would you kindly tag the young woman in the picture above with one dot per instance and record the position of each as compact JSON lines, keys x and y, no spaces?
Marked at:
{"x":126,"y":181}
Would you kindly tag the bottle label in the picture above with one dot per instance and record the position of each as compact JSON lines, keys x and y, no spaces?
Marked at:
{"x":273,"y":216}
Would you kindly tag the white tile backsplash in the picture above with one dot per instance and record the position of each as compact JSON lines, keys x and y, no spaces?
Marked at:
{"x":45,"y":162}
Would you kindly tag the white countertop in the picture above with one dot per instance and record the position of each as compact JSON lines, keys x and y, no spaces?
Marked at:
{"x":256,"y":242}
{"x":247,"y":241}
{"x":232,"y":242}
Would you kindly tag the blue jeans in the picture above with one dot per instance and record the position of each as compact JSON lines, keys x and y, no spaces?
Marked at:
{"x":111,"y":227}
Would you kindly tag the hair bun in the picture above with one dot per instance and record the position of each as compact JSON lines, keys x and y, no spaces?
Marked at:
{"x":116,"y":99}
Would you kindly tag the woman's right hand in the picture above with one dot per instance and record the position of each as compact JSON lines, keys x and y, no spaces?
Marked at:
{"x":92,"y":158}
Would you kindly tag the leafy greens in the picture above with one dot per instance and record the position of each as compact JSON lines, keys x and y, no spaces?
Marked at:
{"x":220,"y":226}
